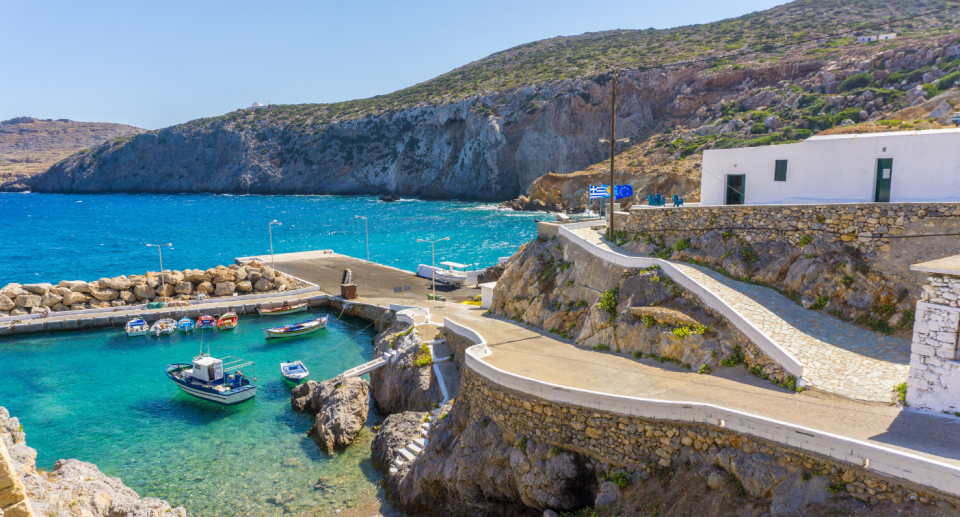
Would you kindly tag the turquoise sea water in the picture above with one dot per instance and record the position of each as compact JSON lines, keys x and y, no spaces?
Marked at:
{"x":101,"y":397}
{"x":86,"y":237}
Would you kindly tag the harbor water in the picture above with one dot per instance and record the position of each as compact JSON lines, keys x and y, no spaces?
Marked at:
{"x":101,"y":397}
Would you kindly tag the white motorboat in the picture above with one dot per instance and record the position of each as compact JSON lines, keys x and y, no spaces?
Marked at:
{"x":294,"y":371}
{"x":204,"y":378}
{"x":164,"y":326}
{"x":137,"y":327}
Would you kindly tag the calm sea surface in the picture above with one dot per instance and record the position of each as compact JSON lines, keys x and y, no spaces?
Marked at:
{"x":101,"y":397}
{"x":72,"y":237}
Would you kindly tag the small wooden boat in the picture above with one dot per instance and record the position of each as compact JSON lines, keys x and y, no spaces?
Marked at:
{"x":137,"y":327}
{"x":164,"y":326}
{"x":285,"y":309}
{"x":294,"y":371}
{"x":204,"y":378}
{"x":297,"y":329}
{"x":185,"y":324}
{"x":206,"y":322}
{"x":228,"y":321}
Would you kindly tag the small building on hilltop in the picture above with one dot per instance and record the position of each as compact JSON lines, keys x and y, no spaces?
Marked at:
{"x":906,"y":166}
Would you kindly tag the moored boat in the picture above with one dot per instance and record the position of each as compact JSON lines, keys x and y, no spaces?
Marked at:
{"x":206,"y":322}
{"x":205,"y":378}
{"x":294,"y":371}
{"x":164,"y":326}
{"x":297,"y":329}
{"x":228,"y":321}
{"x":285,"y":309}
{"x":185,"y":324}
{"x":137,"y":327}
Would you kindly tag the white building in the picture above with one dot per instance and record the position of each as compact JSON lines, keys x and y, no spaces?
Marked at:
{"x":892,"y":35}
{"x":257,"y":105}
{"x":866,"y":39}
{"x":906,"y":166}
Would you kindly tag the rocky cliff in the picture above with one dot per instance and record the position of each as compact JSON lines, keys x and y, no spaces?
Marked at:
{"x":29,"y":146}
{"x":489,"y":129}
{"x":73,"y":487}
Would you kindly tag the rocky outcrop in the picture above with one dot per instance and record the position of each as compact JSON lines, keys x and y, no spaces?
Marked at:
{"x":400,"y":385}
{"x":18,"y":299}
{"x":396,"y":431}
{"x":341,"y":409}
{"x":74,"y":487}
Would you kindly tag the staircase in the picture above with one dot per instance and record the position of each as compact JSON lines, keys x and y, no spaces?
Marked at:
{"x":415,"y":447}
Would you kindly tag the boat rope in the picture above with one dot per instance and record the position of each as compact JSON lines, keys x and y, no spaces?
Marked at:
{"x":340,"y":343}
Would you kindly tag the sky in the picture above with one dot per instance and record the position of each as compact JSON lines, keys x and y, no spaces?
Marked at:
{"x":155,"y":64}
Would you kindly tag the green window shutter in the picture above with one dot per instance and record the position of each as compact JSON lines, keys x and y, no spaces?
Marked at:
{"x":780,"y":174}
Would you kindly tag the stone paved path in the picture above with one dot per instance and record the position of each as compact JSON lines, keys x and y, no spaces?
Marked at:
{"x":838,"y":357}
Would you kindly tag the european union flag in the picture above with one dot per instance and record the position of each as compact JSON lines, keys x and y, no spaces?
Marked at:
{"x":622,"y":191}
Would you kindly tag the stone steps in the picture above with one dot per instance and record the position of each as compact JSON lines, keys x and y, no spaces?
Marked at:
{"x":414,"y":448}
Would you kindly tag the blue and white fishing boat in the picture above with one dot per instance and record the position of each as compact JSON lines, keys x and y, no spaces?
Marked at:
{"x":294,"y":371}
{"x":297,"y":329}
{"x":137,"y":327}
{"x":185,"y":324}
{"x":204,"y":378}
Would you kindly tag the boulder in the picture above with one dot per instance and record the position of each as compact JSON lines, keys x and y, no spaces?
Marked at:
{"x":105,"y":294}
{"x":794,"y":494}
{"x":60,"y":291}
{"x":268,"y":272}
{"x":14,"y":290}
{"x":4,"y":314}
{"x":39,"y":289}
{"x":222,"y":274}
{"x":205,"y":288}
{"x":11,"y":285}
{"x":78,"y":286}
{"x":137,"y":279}
{"x":715,"y":480}
{"x":165,"y":291}
{"x":172,"y":277}
{"x":79,"y":307}
{"x":263,"y":285}
{"x":144,"y":292}
{"x":183,"y":287}
{"x":27,"y":301}
{"x":253,"y":276}
{"x":244,"y":286}
{"x":196,"y":276}
{"x":608,"y":494}
{"x":241,"y":274}
{"x":117,"y":303}
{"x":342,"y":412}
{"x":225,"y":289}
{"x":59,"y":307}
{"x":50,"y":299}
{"x":759,"y":473}
{"x":39,"y":310}
{"x":119,"y":283}
{"x":98,"y":304}
{"x":6,"y":303}
{"x":153,"y":281}
{"x":73,"y":298}
{"x":18,"y":311}
{"x":128,"y":297}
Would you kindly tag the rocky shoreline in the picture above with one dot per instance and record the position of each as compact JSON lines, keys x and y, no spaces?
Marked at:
{"x":72,"y":295}
{"x":73,"y":487}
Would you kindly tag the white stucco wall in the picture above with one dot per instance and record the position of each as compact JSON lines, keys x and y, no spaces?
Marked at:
{"x":840,"y":169}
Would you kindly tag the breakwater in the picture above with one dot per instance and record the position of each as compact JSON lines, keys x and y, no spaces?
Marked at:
{"x":122,"y":291}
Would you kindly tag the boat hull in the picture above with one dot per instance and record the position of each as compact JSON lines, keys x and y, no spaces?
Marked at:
{"x":138,"y":332}
{"x":274,"y":334}
{"x":226,"y":398}
{"x":282,"y":312}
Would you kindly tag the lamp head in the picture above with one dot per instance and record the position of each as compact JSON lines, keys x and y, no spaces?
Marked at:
{"x":421,"y":240}
{"x":445,"y":239}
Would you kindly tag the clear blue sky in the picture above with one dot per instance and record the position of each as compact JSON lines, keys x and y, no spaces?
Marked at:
{"x":154,"y":64}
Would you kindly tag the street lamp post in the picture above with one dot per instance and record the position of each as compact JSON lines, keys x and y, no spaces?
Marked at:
{"x":163,"y":286}
{"x":433,"y":260}
{"x":366,"y":232}
{"x":270,"y":229}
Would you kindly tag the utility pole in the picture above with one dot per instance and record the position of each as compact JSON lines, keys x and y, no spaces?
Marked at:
{"x":613,"y":148}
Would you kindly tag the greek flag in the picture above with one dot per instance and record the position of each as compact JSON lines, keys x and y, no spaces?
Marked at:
{"x":599,"y":191}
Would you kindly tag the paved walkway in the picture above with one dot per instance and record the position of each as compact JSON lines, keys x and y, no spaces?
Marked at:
{"x":838,"y":357}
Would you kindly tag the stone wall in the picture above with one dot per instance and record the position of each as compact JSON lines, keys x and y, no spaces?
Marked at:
{"x":934,"y":378}
{"x":872,"y":229}
{"x":71,"y":295}
{"x":765,"y":468}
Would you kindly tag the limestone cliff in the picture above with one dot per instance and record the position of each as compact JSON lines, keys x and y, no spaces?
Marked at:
{"x":73,"y":487}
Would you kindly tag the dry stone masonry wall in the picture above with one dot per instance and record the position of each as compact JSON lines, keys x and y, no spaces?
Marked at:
{"x":764,"y":468}
{"x":934,"y":379}
{"x":253,"y":277}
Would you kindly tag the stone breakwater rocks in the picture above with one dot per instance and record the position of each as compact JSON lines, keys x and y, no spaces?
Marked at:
{"x":72,"y":487}
{"x":765,"y":469}
{"x":853,"y":259}
{"x":559,"y":288}
{"x":341,"y":408}
{"x":253,"y":277}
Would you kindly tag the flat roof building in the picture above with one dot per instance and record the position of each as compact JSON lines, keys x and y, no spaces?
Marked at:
{"x":905,"y":166}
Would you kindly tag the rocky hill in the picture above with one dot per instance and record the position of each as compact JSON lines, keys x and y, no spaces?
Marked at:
{"x":29,"y":146}
{"x":489,"y":129}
